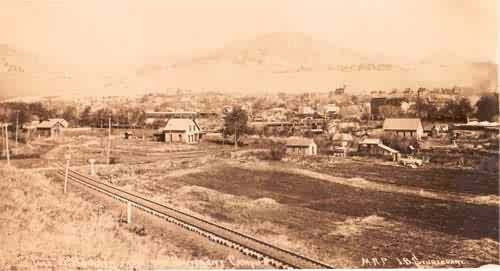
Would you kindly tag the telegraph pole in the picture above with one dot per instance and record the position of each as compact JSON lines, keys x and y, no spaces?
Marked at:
{"x":3,"y":140}
{"x":17,"y":127}
{"x":235,"y":137}
{"x":109,"y":141}
{"x":419,"y":106}
{"x":7,"y":143}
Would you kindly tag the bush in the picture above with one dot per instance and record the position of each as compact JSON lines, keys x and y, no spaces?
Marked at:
{"x":114,"y":160}
{"x":489,"y":164}
{"x":324,"y":144}
{"x":277,"y":151}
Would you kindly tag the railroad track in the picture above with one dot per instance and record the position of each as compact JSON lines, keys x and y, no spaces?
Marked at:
{"x":248,"y":245}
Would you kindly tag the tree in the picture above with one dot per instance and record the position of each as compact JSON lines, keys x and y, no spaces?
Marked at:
{"x":429,"y":110}
{"x":40,"y":111}
{"x":122,"y":116}
{"x":487,"y":107}
{"x":235,"y":123}
{"x":390,"y":111}
{"x":101,"y":117}
{"x":137,"y":117}
{"x":70,"y":115}
{"x":464,"y":109}
{"x":85,"y":117}
{"x":457,"y":110}
{"x":277,"y":151}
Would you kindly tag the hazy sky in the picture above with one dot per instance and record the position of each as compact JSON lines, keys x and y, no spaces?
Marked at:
{"x":122,"y":32}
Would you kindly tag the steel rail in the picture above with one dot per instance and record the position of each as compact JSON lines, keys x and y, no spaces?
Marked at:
{"x":249,"y":245}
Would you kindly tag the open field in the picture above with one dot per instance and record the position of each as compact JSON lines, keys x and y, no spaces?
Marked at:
{"x":31,"y":155}
{"x":82,"y":146}
{"x":350,"y":223}
{"x":429,"y":177}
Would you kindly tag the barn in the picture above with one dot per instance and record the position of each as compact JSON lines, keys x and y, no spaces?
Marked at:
{"x":409,"y":127}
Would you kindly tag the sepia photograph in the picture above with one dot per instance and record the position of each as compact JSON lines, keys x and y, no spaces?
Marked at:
{"x":262,"y":134}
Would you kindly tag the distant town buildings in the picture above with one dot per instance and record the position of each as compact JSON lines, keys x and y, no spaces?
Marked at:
{"x":306,"y":110}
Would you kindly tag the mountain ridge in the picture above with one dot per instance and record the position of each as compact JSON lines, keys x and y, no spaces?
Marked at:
{"x":269,"y":62}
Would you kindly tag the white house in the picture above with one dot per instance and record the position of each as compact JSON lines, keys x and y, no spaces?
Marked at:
{"x":181,"y":131}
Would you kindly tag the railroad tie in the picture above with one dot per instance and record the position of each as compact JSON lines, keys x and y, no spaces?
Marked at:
{"x":242,"y":243}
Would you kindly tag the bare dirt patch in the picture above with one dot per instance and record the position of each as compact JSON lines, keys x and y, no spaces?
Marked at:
{"x":358,"y":225}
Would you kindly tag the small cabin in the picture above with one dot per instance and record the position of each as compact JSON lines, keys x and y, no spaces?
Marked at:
{"x":301,"y":146}
{"x":51,"y":128}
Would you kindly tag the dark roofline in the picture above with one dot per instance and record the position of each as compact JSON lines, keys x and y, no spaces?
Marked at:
{"x":300,"y":146}
{"x":397,"y":129}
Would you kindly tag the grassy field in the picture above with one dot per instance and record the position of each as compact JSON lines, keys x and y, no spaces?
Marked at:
{"x":336,"y":223}
{"x":349,"y":223}
{"x":41,"y":229}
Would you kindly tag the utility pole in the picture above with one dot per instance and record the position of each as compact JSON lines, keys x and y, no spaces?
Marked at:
{"x":235,"y":137}
{"x":3,"y":140}
{"x":109,"y":141}
{"x":17,"y":127}
{"x":418,"y":102}
{"x":7,"y":144}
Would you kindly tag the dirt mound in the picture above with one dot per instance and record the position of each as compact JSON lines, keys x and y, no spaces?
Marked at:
{"x":182,"y":172}
{"x":201,"y":193}
{"x":357,"y":179}
{"x":266,"y":203}
{"x":487,"y":200}
{"x":356,"y":226}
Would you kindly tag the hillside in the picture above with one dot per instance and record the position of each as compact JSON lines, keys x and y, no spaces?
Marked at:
{"x":272,"y":62}
{"x":44,"y":230}
{"x":296,"y":62}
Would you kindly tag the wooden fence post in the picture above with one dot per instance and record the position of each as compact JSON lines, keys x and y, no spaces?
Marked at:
{"x":68,"y":157}
{"x":129,"y":212}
